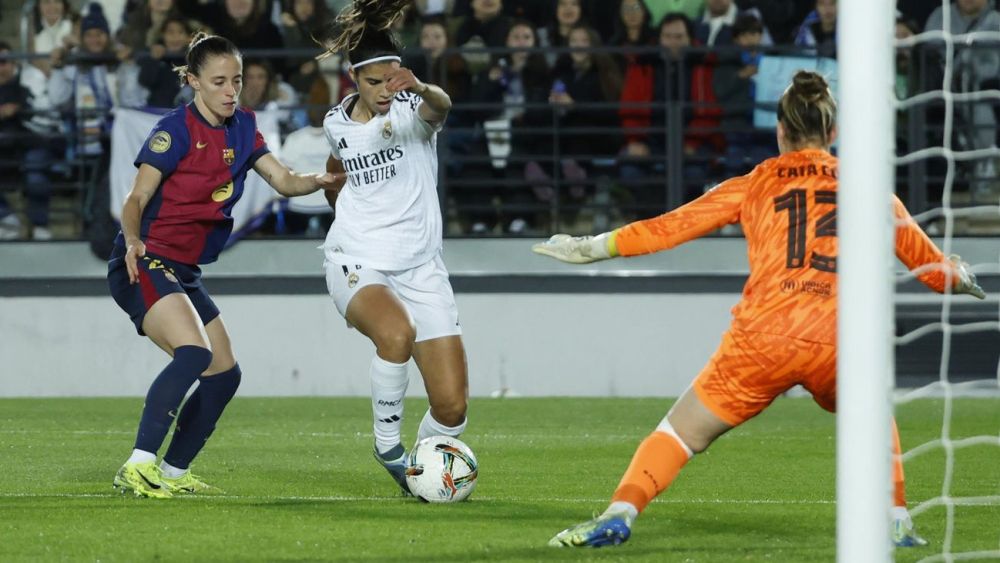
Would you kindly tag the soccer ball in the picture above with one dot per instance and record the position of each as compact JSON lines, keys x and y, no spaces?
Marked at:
{"x":441,"y":469}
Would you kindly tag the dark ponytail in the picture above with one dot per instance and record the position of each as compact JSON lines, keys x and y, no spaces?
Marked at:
{"x":363,"y":31}
{"x":807,"y":109}
{"x":202,"y":47}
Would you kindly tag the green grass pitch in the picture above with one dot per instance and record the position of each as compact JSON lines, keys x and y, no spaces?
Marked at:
{"x":301,"y":485}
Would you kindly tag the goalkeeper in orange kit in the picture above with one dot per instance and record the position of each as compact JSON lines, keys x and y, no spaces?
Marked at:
{"x":783,"y":331}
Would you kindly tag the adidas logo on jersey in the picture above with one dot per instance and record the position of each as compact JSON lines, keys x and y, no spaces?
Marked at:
{"x":342,"y":144}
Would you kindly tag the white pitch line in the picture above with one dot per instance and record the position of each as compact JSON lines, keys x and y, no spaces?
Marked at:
{"x":971,"y":501}
{"x":744,"y":434}
{"x":338,"y":498}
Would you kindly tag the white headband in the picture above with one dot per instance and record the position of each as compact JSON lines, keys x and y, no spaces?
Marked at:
{"x":393,"y":58}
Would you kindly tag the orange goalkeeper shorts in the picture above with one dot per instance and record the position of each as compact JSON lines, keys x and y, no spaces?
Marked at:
{"x":750,"y":369}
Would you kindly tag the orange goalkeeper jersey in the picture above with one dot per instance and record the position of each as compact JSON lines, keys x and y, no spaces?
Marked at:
{"x":788,"y":209}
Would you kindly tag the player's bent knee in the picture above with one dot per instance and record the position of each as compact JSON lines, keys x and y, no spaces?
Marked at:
{"x":450,"y":412}
{"x":396,"y":345}
{"x":197,"y":357}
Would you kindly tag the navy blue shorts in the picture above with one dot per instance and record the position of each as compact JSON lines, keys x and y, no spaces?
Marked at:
{"x":158,"y":277}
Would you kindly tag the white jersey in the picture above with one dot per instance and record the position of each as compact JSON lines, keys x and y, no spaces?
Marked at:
{"x":388,"y":215}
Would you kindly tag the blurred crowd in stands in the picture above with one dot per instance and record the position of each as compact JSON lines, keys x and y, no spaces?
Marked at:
{"x":568,"y":113}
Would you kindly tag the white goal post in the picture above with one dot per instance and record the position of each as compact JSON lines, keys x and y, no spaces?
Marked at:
{"x":865,"y":230}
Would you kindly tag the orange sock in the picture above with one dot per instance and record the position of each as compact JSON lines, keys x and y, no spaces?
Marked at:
{"x":898,"y":482}
{"x":656,"y":463}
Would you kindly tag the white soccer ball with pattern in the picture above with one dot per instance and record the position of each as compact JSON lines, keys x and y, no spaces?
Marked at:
{"x":441,"y":469}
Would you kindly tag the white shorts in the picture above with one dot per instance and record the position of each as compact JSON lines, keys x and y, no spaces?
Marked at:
{"x":424,"y":290}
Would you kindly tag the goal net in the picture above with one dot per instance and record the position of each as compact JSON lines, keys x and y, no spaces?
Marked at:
{"x":953,"y":184}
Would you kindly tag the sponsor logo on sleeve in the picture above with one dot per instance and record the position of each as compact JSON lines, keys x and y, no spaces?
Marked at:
{"x":160,"y":142}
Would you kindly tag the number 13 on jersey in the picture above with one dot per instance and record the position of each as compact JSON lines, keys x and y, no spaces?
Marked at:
{"x":796,"y":203}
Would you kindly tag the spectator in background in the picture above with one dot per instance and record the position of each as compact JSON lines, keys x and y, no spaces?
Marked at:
{"x":568,"y":14}
{"x":307,"y":150}
{"x":144,"y":24}
{"x":263,"y":90}
{"x":644,"y":153}
{"x":244,"y":22}
{"x":83,"y":83}
{"x":819,"y":29}
{"x":53,"y":28}
{"x":302,"y":24}
{"x":513,"y":80}
{"x":156,"y":70}
{"x":588,"y":78}
{"x":734,"y":86}
{"x":976,"y":65}
{"x":14,"y":137}
{"x":538,"y":13}
{"x":431,"y":64}
{"x":659,"y":8}
{"x":632,"y":29}
{"x":486,"y":26}
{"x":717,"y":22}
{"x":638,"y":71}
{"x":715,"y":19}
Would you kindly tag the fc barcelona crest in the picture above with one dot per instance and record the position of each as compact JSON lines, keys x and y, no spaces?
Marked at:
{"x":229,"y":156}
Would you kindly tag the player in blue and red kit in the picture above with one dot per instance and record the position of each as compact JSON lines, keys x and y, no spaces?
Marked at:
{"x":191,"y":171}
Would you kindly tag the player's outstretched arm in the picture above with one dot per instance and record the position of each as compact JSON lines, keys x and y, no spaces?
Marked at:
{"x":578,"y":250}
{"x":291,"y":184}
{"x":915,"y":249}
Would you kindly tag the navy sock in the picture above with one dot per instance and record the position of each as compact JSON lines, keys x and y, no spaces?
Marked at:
{"x":200,"y":414}
{"x":167,"y":392}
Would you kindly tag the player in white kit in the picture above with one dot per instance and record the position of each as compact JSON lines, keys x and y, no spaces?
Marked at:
{"x":383,"y":252}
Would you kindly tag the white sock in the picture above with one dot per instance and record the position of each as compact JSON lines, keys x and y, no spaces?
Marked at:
{"x":171,"y":471}
{"x":430,"y":427}
{"x":901,"y":513}
{"x":141,"y":456}
{"x":620,"y":506}
{"x":389,"y":383}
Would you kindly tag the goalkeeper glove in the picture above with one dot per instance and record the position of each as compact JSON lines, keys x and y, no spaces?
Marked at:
{"x":578,"y":250}
{"x":965,"y":280}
